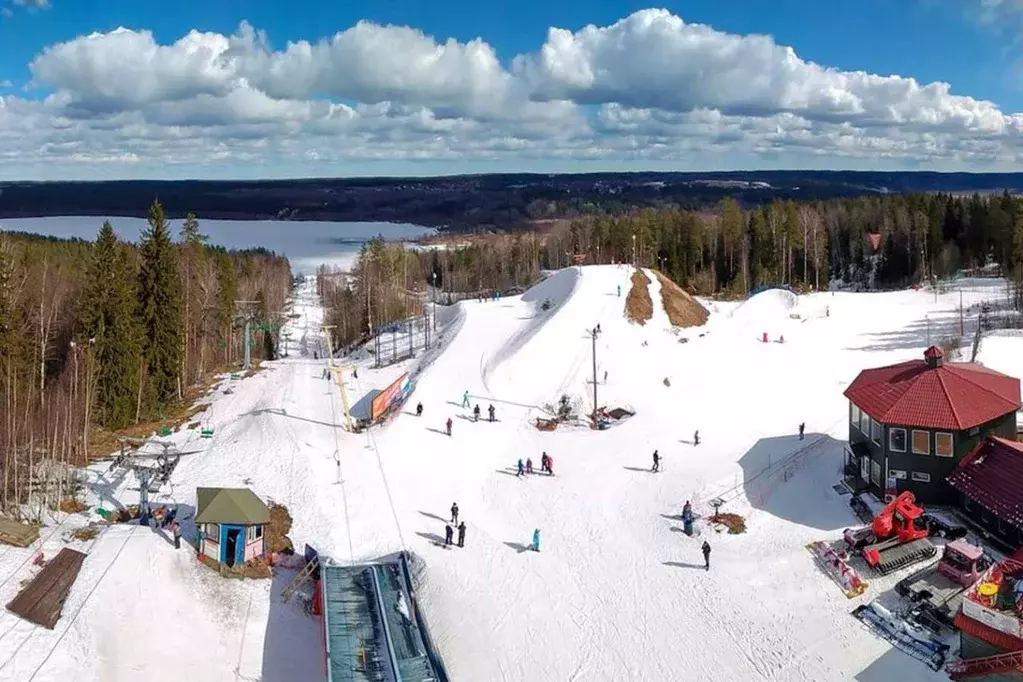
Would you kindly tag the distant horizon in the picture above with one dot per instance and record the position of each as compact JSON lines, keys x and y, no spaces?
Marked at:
{"x":441,"y":176}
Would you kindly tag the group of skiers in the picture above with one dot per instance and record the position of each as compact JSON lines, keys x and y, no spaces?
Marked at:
{"x":449,"y":531}
{"x":491,"y":411}
{"x":546,"y":465}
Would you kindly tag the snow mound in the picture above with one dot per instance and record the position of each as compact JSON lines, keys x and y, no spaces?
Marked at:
{"x":543,"y":301}
{"x":1002,"y":351}
{"x":767,"y":305}
{"x":556,"y":287}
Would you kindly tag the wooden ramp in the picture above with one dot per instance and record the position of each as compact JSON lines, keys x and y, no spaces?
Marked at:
{"x":17,"y":534}
{"x":41,"y":601}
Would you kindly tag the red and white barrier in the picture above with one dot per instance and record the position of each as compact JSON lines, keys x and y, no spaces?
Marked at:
{"x":836,"y":566}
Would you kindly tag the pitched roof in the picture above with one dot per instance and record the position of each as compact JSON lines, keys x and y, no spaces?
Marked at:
{"x":992,"y":476}
{"x":230,"y":505}
{"x":931,"y":394}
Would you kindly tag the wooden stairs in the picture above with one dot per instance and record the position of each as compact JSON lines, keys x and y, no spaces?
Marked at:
{"x":988,"y":665}
{"x":304,"y":576}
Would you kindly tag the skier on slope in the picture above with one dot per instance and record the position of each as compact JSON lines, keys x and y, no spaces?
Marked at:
{"x":461,"y":534}
{"x":529,"y":465}
{"x":657,"y":462}
{"x":476,"y":413}
{"x":447,"y":534}
{"x":449,"y":426}
{"x":465,"y":399}
{"x":536,"y":540}
{"x":543,"y":462}
{"x":696,"y":438}
{"x":550,"y":465}
{"x":706,"y":555}
{"x":522,"y":468}
{"x":454,"y":513}
{"x":419,"y":410}
{"x":802,"y":428}
{"x":491,"y":411}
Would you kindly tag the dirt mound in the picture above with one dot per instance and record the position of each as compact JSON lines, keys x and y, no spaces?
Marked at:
{"x":683,"y":310}
{"x":639,"y":307}
{"x":733,"y":522}
{"x":276,"y":532}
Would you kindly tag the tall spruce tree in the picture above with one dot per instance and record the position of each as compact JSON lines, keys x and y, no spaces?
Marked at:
{"x":108,"y":320}
{"x":160,"y":308}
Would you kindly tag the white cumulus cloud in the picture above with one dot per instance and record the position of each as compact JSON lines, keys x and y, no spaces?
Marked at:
{"x":650,"y":90}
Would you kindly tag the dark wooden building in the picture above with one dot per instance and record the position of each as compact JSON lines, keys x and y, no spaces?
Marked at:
{"x":990,"y":486}
{"x":911,"y":424}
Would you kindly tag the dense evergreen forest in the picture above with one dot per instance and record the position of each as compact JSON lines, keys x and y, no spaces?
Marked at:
{"x":105,"y":335}
{"x":866,"y":242}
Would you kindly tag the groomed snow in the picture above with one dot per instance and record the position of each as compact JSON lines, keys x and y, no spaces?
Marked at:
{"x":617,"y":592}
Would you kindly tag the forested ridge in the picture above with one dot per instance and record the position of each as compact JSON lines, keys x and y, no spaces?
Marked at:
{"x":106,"y":335}
{"x":729,"y":251}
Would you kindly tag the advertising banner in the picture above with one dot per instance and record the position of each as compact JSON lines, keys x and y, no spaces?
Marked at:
{"x":394,"y":393}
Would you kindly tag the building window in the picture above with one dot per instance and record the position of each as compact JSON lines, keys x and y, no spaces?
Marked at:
{"x":854,"y":415}
{"x":921,"y":442}
{"x":865,"y":423}
{"x":897,"y":473}
{"x":943,"y":444}
{"x":875,"y":473}
{"x":921,"y":477}
{"x":865,"y":469}
{"x":975,"y":431}
{"x":875,"y":431}
{"x":253,"y":533}
{"x":897,"y":440}
{"x":213,"y":532}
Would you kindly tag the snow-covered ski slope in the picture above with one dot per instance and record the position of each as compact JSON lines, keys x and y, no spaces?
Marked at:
{"x":617,"y":593}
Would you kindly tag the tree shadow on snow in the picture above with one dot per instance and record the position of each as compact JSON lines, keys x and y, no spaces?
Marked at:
{"x":293,"y":643}
{"x":791,"y":479}
{"x":682,"y":564}
{"x":914,"y":335}
{"x":519,"y":547}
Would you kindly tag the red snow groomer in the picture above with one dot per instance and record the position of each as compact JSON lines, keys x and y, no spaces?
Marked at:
{"x":897,"y":537}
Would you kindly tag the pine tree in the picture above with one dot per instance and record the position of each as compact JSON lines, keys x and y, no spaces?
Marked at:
{"x":160,"y":308}
{"x":227,"y":293}
{"x":109,"y":323}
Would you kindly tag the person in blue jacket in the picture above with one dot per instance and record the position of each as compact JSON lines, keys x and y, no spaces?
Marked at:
{"x":536,"y":540}
{"x":522,"y":468}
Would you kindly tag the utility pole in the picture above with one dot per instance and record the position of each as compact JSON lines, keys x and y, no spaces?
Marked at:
{"x":593,"y":335}
{"x":962,"y":328}
{"x":633,"y":250}
{"x":247,"y":313}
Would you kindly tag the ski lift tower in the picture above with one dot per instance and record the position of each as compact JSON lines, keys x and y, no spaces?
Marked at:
{"x":247,"y":311}
{"x":336,"y":370}
{"x":151,"y":475}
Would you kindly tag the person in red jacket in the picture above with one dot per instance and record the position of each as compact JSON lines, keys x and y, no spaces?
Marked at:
{"x":449,"y":426}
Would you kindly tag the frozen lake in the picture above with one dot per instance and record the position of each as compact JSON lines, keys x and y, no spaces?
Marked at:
{"x":307,"y":244}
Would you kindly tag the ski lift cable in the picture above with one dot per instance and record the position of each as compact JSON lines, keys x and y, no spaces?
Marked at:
{"x":387,"y":489}
{"x":341,"y":478}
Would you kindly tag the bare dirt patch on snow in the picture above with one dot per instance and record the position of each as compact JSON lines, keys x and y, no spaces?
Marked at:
{"x":683,"y":310}
{"x":639,"y":307}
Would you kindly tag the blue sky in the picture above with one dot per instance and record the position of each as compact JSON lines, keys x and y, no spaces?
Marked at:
{"x":644,"y":89}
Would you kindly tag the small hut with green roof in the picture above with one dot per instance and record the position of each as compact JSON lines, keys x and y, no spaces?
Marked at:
{"x":230,"y":523}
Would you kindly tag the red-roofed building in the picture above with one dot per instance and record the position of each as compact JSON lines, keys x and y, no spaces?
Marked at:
{"x":912,"y":423}
{"x":990,"y":484}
